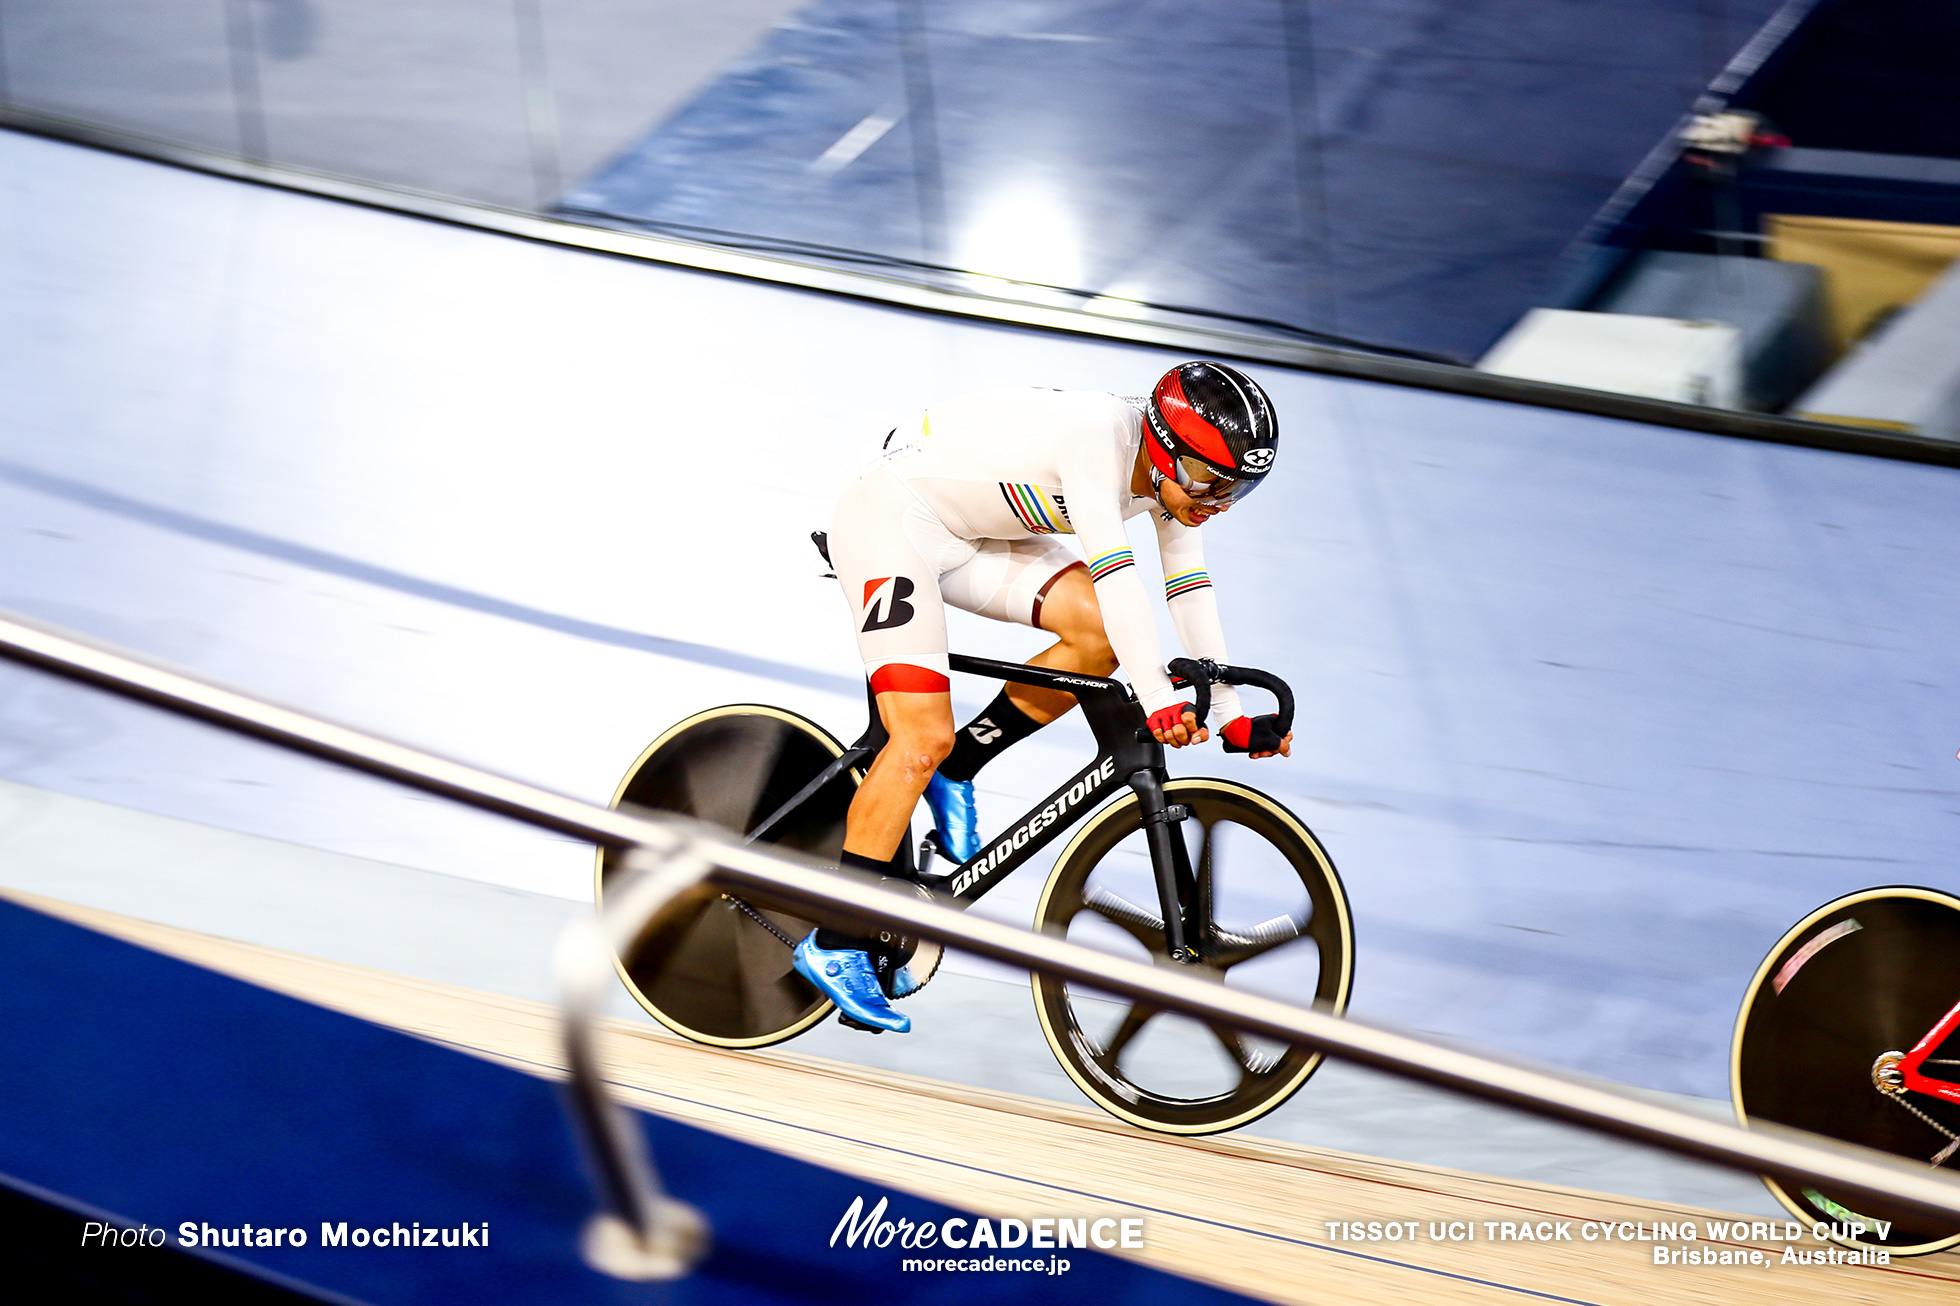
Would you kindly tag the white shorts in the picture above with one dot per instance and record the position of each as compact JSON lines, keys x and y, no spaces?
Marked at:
{"x":899,"y":565}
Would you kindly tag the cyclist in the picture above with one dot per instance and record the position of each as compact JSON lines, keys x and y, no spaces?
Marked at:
{"x":965,"y":509}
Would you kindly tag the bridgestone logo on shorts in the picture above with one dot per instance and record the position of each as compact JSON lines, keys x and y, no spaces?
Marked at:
{"x":1034,"y":825}
{"x":895,"y":613}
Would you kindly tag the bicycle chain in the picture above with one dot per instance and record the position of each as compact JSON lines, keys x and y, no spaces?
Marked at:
{"x":761,"y":920}
{"x":789,"y":943}
{"x":1945,"y":1153}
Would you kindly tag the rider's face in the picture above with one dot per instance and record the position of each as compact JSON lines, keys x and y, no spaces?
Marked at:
{"x":1182,"y":506}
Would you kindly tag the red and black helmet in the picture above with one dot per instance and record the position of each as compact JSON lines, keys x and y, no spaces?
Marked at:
{"x":1212,"y":430}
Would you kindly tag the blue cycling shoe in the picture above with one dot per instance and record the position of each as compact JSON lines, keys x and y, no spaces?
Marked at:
{"x":955,"y":816}
{"x":844,"y":975}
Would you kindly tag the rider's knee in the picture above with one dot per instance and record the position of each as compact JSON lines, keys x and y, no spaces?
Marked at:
{"x":934,"y":748}
{"x":1089,"y":647}
{"x":1093,"y":652}
{"x":1074,"y":616}
{"x":923,"y":748}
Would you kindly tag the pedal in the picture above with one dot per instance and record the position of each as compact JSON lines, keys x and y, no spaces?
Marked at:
{"x":928,"y":849}
{"x":848,"y":1023}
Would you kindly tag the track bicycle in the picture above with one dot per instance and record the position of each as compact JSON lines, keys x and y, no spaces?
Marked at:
{"x":1196,"y":872}
{"x":1851,"y":1029}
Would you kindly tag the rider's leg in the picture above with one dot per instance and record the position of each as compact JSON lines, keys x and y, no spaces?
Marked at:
{"x":1072,"y":614}
{"x":889,"y":551}
{"x":844,"y":965}
{"x":920,"y":726}
{"x":1067,"y":608}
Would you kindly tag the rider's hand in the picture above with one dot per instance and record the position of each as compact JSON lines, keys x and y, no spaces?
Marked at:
{"x":1257,"y":736}
{"x":1177,"y":725}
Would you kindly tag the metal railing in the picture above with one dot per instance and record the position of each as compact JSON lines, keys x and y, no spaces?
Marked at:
{"x":641,"y":1233}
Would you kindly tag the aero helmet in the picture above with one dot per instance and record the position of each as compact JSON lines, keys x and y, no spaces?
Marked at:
{"x":1212,"y":430}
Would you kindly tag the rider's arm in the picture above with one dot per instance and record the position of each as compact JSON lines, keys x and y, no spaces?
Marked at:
{"x":1092,"y":483}
{"x":1194,"y":606}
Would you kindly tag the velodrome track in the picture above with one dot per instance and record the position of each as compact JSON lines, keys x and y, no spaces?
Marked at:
{"x":1591,"y":711}
{"x":1249,"y":1215}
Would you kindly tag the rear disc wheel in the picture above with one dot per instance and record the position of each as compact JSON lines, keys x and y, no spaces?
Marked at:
{"x":717,"y":969}
{"x":1868,"y":974}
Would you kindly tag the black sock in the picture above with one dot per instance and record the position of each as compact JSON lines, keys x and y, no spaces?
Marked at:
{"x":830,"y":940}
{"x":999,"y":724}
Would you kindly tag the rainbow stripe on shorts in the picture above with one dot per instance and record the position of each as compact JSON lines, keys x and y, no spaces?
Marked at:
{"x":1108,"y":564}
{"x":1186,"y":581}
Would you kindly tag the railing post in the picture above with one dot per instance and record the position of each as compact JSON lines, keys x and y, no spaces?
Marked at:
{"x":639,"y":1232}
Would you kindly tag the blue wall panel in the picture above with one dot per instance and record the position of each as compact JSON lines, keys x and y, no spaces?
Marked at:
{"x":162,"y":1093}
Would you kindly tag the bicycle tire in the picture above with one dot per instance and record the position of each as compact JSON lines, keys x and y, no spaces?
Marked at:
{"x":1102,"y":881}
{"x":712,"y":972}
{"x":1869,"y":973}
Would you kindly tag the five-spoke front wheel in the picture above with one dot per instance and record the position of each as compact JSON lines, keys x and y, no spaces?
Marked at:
{"x":1270,"y":917}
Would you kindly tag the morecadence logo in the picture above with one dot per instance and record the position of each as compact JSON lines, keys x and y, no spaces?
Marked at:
{"x":979,"y":1240}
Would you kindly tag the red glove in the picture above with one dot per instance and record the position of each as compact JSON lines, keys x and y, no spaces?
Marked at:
{"x":1166,"y":719}
{"x":1250,"y":734}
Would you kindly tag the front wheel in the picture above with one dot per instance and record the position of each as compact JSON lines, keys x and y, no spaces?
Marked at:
{"x":1853,"y":985}
{"x":1272,"y":917}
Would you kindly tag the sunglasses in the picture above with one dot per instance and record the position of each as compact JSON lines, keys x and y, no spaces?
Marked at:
{"x":1205,"y":483}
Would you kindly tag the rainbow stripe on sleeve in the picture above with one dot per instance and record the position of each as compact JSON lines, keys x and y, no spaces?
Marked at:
{"x":1186,"y":581}
{"x":1108,"y":564}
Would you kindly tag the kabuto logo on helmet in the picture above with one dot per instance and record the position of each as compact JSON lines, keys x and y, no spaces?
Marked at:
{"x":1211,"y":424}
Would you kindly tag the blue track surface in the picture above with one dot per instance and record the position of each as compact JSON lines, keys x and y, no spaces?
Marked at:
{"x":1405,"y":172}
{"x":163,"y":1093}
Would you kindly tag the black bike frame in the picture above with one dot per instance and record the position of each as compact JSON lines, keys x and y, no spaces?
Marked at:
{"x":1126,"y":754}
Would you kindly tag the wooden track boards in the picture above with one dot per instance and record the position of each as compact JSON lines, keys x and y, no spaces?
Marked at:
{"x":1244,"y":1213}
